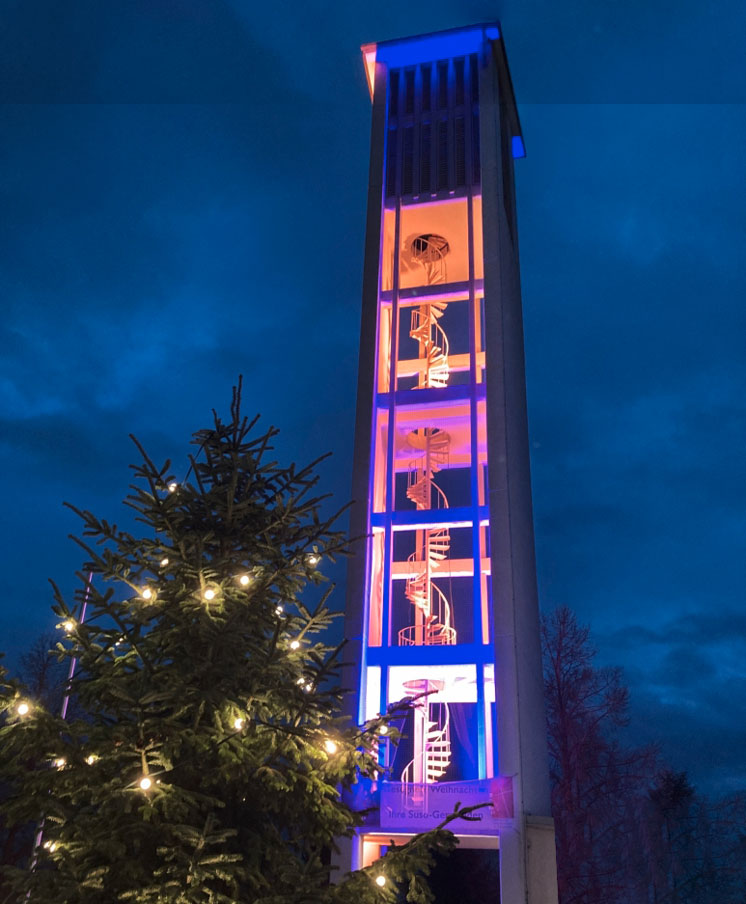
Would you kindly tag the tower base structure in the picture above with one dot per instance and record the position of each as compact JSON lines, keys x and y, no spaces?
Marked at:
{"x":442,"y":602}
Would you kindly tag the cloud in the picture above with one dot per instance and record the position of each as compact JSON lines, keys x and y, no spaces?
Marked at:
{"x":183,"y":190}
{"x":685,"y":674}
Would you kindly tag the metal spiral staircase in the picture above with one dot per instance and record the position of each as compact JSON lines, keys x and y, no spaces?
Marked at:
{"x":430,"y":445}
{"x":432,"y":738}
{"x":432,"y":609}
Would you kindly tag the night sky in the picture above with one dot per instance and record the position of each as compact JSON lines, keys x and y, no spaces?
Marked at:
{"x":182,"y":199}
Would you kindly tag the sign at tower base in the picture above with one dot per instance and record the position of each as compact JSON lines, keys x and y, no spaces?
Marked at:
{"x":420,"y":807}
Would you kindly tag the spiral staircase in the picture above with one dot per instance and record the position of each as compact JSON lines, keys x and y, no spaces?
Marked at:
{"x":432,"y":738}
{"x":430,"y":447}
{"x":432,"y":609}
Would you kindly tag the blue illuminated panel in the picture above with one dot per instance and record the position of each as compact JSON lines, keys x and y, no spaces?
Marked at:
{"x":425,"y":48}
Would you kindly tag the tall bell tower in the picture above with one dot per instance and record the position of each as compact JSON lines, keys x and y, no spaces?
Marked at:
{"x":442,"y":601}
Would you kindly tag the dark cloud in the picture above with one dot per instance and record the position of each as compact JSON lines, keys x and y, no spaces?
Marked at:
{"x":173,"y":51}
{"x":183,"y":186}
{"x":686,"y":675}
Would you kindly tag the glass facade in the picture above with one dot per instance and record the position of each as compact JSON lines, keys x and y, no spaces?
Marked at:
{"x":428,"y":590}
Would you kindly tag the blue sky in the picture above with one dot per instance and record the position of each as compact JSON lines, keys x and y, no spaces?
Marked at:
{"x":183,"y":186}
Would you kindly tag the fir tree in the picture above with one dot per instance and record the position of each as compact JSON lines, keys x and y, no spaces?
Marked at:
{"x":208,"y":754}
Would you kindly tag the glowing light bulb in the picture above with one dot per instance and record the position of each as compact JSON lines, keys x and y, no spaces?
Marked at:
{"x":313,"y":560}
{"x":238,"y":724}
{"x":91,"y":759}
{"x":60,"y":762}
{"x":300,"y":681}
{"x":173,"y":487}
{"x":330,"y":746}
{"x":145,"y":783}
{"x":279,"y":610}
{"x":50,"y":846}
{"x":23,"y":709}
{"x":384,"y":729}
{"x":244,"y":580}
{"x":147,"y":594}
{"x":209,"y":594}
{"x":68,"y":626}
{"x":380,"y":881}
{"x":294,"y":644}
{"x":164,"y":561}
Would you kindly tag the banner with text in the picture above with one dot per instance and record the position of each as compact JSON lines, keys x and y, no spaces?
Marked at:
{"x":408,"y":806}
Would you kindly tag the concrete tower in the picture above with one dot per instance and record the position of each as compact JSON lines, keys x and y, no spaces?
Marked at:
{"x":442,"y":601}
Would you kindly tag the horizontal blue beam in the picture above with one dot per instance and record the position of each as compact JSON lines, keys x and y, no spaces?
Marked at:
{"x":451,"y":288}
{"x":458,"y":654}
{"x":459,"y":515}
{"x":461,"y":392}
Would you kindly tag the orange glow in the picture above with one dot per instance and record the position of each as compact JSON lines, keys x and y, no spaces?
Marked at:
{"x":379,"y":467}
{"x":371,"y":852}
{"x":384,"y":349}
{"x":369,"y":59}
{"x":448,"y":218}
{"x":430,"y":358}
{"x":376,"y":589}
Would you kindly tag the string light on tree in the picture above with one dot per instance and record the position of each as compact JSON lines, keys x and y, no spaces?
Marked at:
{"x":313,"y":559}
{"x":219,"y":600}
{"x":68,"y":626}
{"x":173,"y":487}
{"x":380,"y":881}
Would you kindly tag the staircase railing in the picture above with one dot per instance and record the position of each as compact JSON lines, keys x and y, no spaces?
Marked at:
{"x":433,"y":625}
{"x":437,"y":751}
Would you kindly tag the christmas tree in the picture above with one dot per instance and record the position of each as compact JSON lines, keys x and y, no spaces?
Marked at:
{"x":208,"y":756}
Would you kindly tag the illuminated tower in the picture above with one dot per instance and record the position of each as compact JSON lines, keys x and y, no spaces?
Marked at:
{"x":442,"y":602}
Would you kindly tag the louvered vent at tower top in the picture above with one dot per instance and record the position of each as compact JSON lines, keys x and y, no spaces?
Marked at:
{"x":432,"y":146}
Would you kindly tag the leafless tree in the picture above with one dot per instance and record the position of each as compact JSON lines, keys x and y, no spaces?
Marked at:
{"x":629,"y":830}
{"x":594,"y":778}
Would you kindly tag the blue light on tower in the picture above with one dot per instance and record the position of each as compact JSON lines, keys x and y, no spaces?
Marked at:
{"x":441,"y":601}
